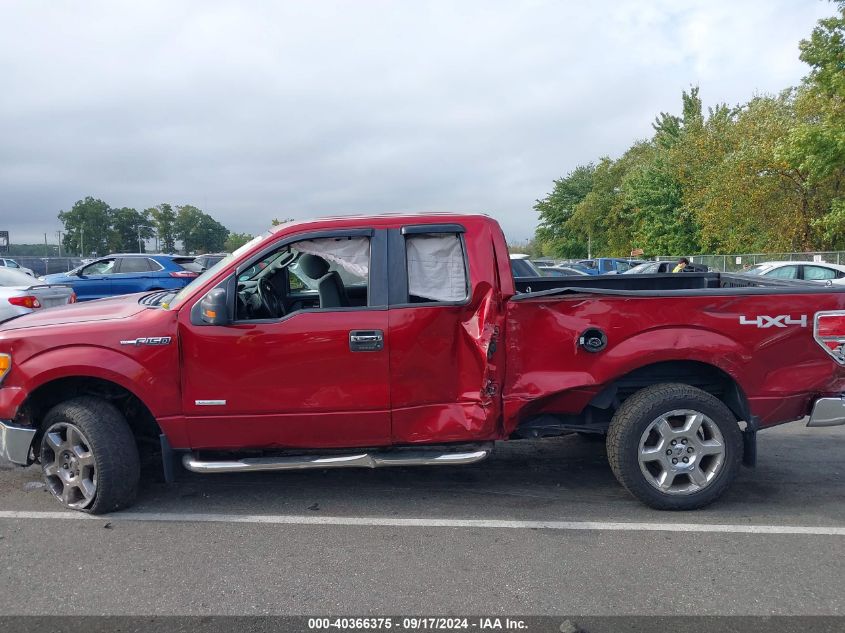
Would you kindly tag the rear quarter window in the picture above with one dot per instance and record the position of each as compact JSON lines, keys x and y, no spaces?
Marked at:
{"x":437,"y":268}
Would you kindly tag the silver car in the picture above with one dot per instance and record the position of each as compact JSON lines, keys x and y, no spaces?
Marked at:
{"x":21,"y":294}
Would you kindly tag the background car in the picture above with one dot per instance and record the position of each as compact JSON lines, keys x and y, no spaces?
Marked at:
{"x":21,"y":294}
{"x":208,"y":260}
{"x":608,"y":265}
{"x":562,"y":271}
{"x":807,"y":271}
{"x":521,"y":266}
{"x":5,"y":262}
{"x":127,"y":273}
{"x":652,"y":268}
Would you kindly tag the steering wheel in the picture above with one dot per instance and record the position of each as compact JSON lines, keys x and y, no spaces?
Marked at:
{"x":269,"y":301}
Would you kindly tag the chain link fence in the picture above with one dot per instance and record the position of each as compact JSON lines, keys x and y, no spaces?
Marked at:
{"x":46,"y":265}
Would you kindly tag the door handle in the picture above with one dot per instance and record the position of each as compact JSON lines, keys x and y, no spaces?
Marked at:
{"x":366,"y":340}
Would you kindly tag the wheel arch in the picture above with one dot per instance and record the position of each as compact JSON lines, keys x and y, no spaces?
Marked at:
{"x":705,"y":376}
{"x":40,"y":400}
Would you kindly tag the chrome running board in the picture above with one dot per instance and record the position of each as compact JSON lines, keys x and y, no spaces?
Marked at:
{"x":378,"y":459}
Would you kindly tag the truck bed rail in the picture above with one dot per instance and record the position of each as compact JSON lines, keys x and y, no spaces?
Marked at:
{"x":665,"y":284}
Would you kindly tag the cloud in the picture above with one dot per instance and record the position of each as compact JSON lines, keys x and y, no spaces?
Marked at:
{"x":256,"y":110}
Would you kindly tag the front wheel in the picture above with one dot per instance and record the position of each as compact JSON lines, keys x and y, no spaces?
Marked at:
{"x":88,"y":456}
{"x":674,"y":447}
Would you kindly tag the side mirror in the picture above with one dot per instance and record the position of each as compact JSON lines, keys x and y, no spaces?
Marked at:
{"x":214,"y":308}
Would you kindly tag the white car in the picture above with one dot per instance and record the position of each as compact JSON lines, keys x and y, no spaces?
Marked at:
{"x":5,"y":262}
{"x":806,"y":271}
{"x":21,"y":294}
{"x":522,"y":266}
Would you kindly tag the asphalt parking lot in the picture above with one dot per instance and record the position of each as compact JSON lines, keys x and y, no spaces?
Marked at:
{"x":540,"y":528}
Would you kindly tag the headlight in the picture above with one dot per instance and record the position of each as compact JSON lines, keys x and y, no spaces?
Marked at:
{"x":5,"y":365}
{"x":41,"y":278}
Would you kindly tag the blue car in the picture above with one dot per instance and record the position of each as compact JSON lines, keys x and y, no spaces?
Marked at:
{"x":124,"y":274}
{"x":608,"y":265}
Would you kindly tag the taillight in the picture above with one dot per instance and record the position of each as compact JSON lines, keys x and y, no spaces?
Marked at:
{"x":72,"y":298}
{"x":829,"y":332}
{"x":184,"y":273}
{"x":26,"y":301}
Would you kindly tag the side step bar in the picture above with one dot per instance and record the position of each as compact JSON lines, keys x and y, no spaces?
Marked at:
{"x":377,"y":459}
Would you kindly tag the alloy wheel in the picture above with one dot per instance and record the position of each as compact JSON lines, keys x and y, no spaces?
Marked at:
{"x":681,"y":452}
{"x":67,"y":462}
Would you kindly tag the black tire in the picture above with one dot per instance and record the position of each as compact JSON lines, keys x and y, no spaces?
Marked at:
{"x":637,"y":414}
{"x":110,"y":441}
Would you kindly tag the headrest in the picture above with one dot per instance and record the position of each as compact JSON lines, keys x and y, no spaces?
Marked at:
{"x":313,"y":265}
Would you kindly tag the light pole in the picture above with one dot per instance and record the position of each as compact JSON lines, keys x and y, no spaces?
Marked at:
{"x":139,"y":227}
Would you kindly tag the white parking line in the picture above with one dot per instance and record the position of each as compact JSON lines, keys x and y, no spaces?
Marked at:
{"x":282,"y":519}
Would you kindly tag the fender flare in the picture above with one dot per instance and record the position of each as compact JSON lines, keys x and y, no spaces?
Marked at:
{"x":87,"y":362}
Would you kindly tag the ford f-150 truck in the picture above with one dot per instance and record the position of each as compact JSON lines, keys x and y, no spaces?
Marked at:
{"x":404,"y":340}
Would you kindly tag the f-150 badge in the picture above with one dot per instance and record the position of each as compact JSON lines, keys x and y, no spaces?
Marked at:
{"x":152,"y":340}
{"x":781,"y":320}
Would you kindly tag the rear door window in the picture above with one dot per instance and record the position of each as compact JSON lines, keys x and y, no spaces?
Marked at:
{"x":134,"y":265}
{"x":818,"y":273}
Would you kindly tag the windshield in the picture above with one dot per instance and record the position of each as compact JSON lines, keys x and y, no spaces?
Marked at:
{"x":759,"y":269}
{"x":169,"y":301}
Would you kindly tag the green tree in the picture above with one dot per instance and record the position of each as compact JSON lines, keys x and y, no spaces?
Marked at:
{"x":606,"y":216}
{"x":127,"y":225}
{"x":554,"y":235}
{"x":652,"y":190}
{"x":87,"y":227}
{"x":747,"y":196}
{"x":766,"y":175}
{"x":164,"y":219}
{"x":663,"y":225}
{"x":198,"y":231}
{"x":815,"y":147}
{"x":235,"y":241}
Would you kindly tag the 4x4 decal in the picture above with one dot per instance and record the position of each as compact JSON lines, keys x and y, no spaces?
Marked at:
{"x":781,"y":320}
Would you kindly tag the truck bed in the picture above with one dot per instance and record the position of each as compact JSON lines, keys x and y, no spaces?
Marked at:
{"x":665,"y":284}
{"x":667,"y":327}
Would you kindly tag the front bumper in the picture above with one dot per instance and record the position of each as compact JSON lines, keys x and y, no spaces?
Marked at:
{"x":15,"y":442}
{"x":828,"y":412}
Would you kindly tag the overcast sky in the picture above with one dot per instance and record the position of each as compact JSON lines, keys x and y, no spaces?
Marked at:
{"x":255,"y":110}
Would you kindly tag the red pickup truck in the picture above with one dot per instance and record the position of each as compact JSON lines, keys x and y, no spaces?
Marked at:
{"x":404,"y":340}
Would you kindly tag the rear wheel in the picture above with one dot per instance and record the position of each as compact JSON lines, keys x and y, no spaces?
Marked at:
{"x":88,"y":456}
{"x":674,"y":447}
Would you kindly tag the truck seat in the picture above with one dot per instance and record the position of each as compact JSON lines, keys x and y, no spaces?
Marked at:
{"x":329,"y":284}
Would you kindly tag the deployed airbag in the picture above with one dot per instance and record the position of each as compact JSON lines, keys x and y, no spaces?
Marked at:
{"x":436,"y":267}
